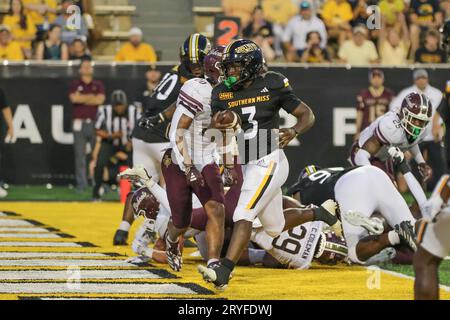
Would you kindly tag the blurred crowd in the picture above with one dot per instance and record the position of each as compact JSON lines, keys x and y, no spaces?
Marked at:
{"x":356,"y":32}
{"x":46,"y":30}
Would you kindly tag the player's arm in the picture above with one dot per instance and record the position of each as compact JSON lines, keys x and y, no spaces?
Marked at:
{"x":370,"y":148}
{"x":424,"y":169}
{"x":292,"y":104}
{"x":183,"y":125}
{"x":148,"y":121}
{"x":413,"y":185}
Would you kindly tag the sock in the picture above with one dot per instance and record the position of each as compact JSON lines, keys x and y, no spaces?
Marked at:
{"x":228,"y":263}
{"x":256,"y":255}
{"x":264,"y":240}
{"x":212,"y":261}
{"x":393,"y":238}
{"x":320,"y":214}
{"x":124,"y":226}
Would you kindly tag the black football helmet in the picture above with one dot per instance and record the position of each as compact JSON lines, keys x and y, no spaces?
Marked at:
{"x":445,"y":36}
{"x":193,"y":51}
{"x":248,"y":55}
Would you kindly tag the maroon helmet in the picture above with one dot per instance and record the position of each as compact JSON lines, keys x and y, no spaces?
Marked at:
{"x":415,"y":114}
{"x":211,"y":64}
{"x":330,"y":248}
{"x":145,"y":204}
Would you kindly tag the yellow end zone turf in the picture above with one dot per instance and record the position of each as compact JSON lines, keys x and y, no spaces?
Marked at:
{"x":97,"y":222}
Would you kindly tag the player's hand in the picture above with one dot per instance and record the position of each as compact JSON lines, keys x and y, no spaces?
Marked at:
{"x":149,"y":122}
{"x":396,"y":154}
{"x":425,"y":171}
{"x":194,"y":177}
{"x":286,"y":135}
{"x":230,"y":176}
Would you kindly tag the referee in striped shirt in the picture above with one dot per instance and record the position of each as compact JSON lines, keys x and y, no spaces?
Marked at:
{"x":113,"y":147}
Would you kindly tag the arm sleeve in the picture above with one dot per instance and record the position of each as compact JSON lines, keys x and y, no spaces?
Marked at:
{"x":362,"y":158}
{"x":189,"y":101}
{"x":289,"y":101}
{"x":415,"y":188}
{"x":418,"y":157}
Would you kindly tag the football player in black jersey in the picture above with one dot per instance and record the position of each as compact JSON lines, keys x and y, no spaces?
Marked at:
{"x":257,"y":97}
{"x":359,"y":191}
{"x":149,"y":138}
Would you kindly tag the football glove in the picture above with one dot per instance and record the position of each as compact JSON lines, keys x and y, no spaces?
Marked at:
{"x":425,"y":171}
{"x":230,"y":177}
{"x":149,"y":122}
{"x":396,"y":154}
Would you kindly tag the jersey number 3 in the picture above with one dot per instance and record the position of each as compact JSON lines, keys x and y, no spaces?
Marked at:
{"x":251,"y":133}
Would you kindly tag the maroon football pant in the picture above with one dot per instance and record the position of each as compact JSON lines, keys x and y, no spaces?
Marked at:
{"x":179,"y":192}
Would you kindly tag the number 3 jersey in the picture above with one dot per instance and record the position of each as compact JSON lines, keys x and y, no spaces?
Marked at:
{"x":194,"y":101}
{"x":389,"y":133}
{"x":258,"y":107}
{"x":295,"y":248}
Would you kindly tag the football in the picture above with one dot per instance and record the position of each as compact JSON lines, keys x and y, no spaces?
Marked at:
{"x":228,"y":118}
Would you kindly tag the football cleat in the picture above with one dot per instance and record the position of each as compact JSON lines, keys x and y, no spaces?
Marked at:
{"x":406,"y":234}
{"x":138,"y":176}
{"x":174,"y":257}
{"x":331,"y":207}
{"x":216,"y":273}
{"x":373,"y":225}
{"x":120,"y":238}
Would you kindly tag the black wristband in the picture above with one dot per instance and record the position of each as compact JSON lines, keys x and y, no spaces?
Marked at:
{"x":404,"y":167}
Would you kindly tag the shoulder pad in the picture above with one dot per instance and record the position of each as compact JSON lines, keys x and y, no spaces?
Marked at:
{"x":389,"y":130}
{"x":275,"y":80}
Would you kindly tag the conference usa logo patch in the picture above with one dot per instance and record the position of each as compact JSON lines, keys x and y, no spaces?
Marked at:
{"x":225,"y":95}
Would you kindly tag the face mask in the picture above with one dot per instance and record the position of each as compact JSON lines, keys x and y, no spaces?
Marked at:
{"x":416,"y":132}
{"x":230,"y":81}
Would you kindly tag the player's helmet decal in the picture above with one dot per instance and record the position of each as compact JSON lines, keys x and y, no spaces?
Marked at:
{"x":415,"y":114}
{"x":194,"y":50}
{"x":212,"y":64}
{"x":330,"y":249}
{"x":144,"y":204}
{"x":445,"y":32}
{"x":248,"y":55}
{"x":309,"y":170}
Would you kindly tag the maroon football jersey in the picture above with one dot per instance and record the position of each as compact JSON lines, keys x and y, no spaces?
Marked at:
{"x":373,"y":105}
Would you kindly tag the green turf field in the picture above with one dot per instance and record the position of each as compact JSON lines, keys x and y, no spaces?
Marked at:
{"x":444,"y":271}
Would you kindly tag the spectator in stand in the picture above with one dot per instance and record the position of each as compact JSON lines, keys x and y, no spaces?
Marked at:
{"x":240,"y":9}
{"x":392,"y":11}
{"x":360,"y":14}
{"x":113,"y":147}
{"x":135,"y":50}
{"x":444,"y":113}
{"x":23,"y":29}
{"x":337,"y":15}
{"x":43,"y":14}
{"x":70,"y":33}
{"x":297,"y":30}
{"x":424,"y":15}
{"x":392,"y":47}
{"x":7,"y":117}
{"x":279,"y":12}
{"x":260,"y":31}
{"x":432,"y":142}
{"x":358,"y":51}
{"x":313,"y":52}
{"x":431,"y":52}
{"x":52,"y":48}
{"x":78,"y":50}
{"x":9,"y":50}
{"x":86,"y":94}
{"x":372,"y":102}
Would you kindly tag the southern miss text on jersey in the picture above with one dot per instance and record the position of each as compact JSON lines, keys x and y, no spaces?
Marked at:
{"x":258,"y":106}
{"x":319,"y":186}
{"x":164,"y":95}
